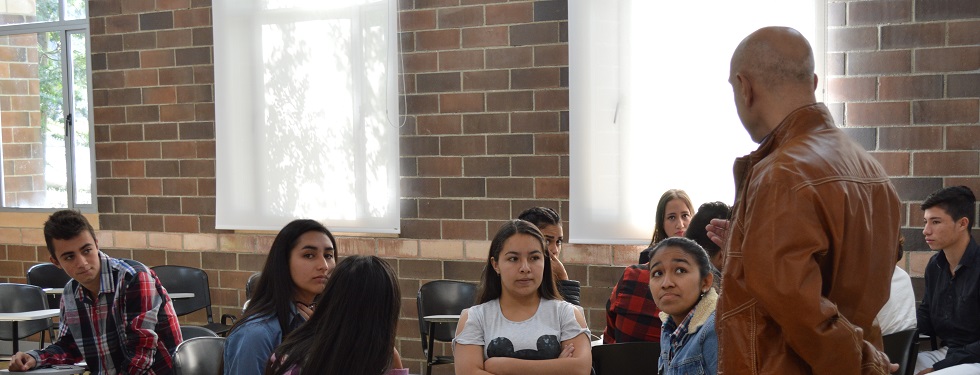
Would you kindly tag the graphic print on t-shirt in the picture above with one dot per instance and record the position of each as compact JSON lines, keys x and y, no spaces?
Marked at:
{"x":548,"y":347}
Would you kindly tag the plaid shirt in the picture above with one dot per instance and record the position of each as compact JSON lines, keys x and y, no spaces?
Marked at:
{"x":679,"y":336}
{"x":130,"y":328}
{"x":631,"y":314}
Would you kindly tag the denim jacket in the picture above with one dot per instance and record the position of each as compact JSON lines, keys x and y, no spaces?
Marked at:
{"x":699,"y":353}
{"x":248,"y":348}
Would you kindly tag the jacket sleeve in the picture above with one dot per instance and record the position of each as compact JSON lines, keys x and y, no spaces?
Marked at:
{"x":571,"y":291}
{"x":923,"y":316}
{"x":958,"y":356}
{"x":142,"y":304}
{"x":63,"y":352}
{"x":782,"y":253}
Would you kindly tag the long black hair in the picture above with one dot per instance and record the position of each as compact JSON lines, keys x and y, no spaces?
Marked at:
{"x":274,"y":291}
{"x":352,"y":331}
{"x":490,"y":284}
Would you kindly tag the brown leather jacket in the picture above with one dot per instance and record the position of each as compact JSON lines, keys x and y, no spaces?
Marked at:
{"x":810,"y":254}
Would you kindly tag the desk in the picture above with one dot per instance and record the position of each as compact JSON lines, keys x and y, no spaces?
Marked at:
{"x":431,"y":321}
{"x":17,"y":317}
{"x":180,"y":295}
{"x":54,"y":290}
{"x":54,"y":370}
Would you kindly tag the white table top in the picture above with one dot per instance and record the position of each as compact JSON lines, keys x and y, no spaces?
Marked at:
{"x":441,"y":318}
{"x":29,"y":315}
{"x":58,"y":370}
{"x":180,"y":295}
{"x":54,"y":290}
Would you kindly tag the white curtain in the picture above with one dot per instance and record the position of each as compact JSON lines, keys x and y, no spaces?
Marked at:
{"x":306,"y":114}
{"x":651,"y":108}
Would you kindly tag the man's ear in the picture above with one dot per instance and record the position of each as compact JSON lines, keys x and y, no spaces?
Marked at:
{"x":745,"y":88}
{"x":963,"y":223}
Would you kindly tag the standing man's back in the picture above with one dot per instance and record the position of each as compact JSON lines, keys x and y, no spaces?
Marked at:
{"x":814,"y":228}
{"x":116,"y":317}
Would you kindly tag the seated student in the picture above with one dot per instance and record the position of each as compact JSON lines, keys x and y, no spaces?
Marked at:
{"x":549,"y":223}
{"x":680,"y":281}
{"x":951,"y":303}
{"x":348,"y":334}
{"x":116,"y":317}
{"x":674,"y":212}
{"x":521,"y":325}
{"x":295,"y":272}
{"x":898,"y":313}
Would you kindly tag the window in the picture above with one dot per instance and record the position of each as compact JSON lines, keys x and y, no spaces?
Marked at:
{"x":44,"y":105}
{"x":651,"y":108}
{"x":306,"y":114}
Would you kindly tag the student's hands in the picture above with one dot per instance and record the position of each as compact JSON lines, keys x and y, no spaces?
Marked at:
{"x":718,"y":232}
{"x":21,"y":362}
{"x":926,"y":371}
{"x":567,"y":351}
{"x":305,"y":311}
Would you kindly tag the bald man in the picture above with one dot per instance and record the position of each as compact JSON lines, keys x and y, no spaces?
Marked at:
{"x":810,"y":248}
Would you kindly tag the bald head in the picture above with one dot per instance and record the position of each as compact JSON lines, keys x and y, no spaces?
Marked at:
{"x":775,"y":56}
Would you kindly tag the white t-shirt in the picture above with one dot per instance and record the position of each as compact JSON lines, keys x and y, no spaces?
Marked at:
{"x":538,"y":337}
{"x":898,"y":313}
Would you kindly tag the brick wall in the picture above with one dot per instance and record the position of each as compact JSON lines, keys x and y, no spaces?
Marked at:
{"x":20,"y":120}
{"x":486,"y":134}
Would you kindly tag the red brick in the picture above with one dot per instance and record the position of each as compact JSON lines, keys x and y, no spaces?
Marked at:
{"x":843,"y":89}
{"x":551,"y":143}
{"x":451,"y":18}
{"x":947,"y":59}
{"x":128,"y":168}
{"x":192,"y":17}
{"x":420,"y":104}
{"x":534,"y":33}
{"x":511,"y":57}
{"x":895,"y":163}
{"x":455,"y":103}
{"x":463,"y":187}
{"x":879,"y":12}
{"x":177,"y":76}
{"x":486,"y":209}
{"x":440,"y":166}
{"x":461,"y":60}
{"x":510,"y":187}
{"x":912,"y":35}
{"x":551,"y":188}
{"x":157,"y":58}
{"x":464,"y":230}
{"x":177,"y":112}
{"x":486,"y":166}
{"x":137,"y":6}
{"x":141,"y":77}
{"x":144,"y":150}
{"x":486,"y":80}
{"x":109,"y":115}
{"x":910,"y":87}
{"x":159,"y":95}
{"x":510,"y":13}
{"x":149,"y":186}
{"x":193,"y":56}
{"x":510,"y":144}
{"x":421,"y":229}
{"x":163,"y":168}
{"x":438,"y":82}
{"x":960,"y":163}
{"x":551,"y":100}
{"x":883,"y":62}
{"x":852,"y":39}
{"x":421,"y":4}
{"x":493,"y":36}
{"x":910,"y":138}
{"x":437,"y":40}
{"x":536,"y":166}
{"x":130,"y":204}
{"x":534,"y":78}
{"x":439,"y":124}
{"x":551,"y":55}
{"x":194,"y":93}
{"x":147,"y":113}
{"x":417,"y":20}
{"x":420,"y":187}
{"x":110,"y":151}
{"x":934,"y":10}
{"x":120,"y":133}
{"x":510,"y":101}
{"x":964,"y":33}
{"x":138,"y":41}
{"x":953,"y":111}
{"x":972,"y":183}
{"x":175,"y":38}
{"x":179,"y":150}
{"x":534,"y":122}
{"x":121,"y":24}
{"x":416,"y":146}
{"x":963,"y":137}
{"x":181,"y":224}
{"x":440,"y":208}
{"x":172,"y":4}
{"x":880,"y":113}
{"x":485,"y":123}
{"x":197,"y":168}
{"x":421,"y":62}
{"x":105,"y":43}
{"x":463,"y":145}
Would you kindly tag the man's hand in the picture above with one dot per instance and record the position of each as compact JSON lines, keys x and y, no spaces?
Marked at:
{"x":21,"y":362}
{"x":926,"y":371}
{"x":718,"y":232}
{"x":558,"y":268}
{"x":305,"y":311}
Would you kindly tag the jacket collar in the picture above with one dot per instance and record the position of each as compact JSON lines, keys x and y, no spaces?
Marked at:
{"x":702,"y":311}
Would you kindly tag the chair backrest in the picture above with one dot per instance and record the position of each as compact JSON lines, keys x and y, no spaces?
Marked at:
{"x":250,"y":285}
{"x":48,"y":275}
{"x":20,"y":298}
{"x":625,"y":358}
{"x":190,"y":332}
{"x":200,"y":356}
{"x":180,"y":279}
{"x":443,"y":297}
{"x":899,"y":347}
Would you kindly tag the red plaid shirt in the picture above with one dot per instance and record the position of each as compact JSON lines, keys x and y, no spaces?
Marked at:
{"x":631,"y":314}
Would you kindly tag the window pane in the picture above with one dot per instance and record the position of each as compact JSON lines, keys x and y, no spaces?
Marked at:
{"x":80,"y":119}
{"x":27,"y":11}
{"x":76,"y":9}
{"x":34,"y":172}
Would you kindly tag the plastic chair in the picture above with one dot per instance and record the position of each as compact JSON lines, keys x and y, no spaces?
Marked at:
{"x":200,"y":356}
{"x":190,"y":332}
{"x":441,"y":297}
{"x":21,"y":298}
{"x":250,"y":285}
{"x":48,"y":275}
{"x":625,"y":358}
{"x":180,"y":279}
{"x":901,"y":348}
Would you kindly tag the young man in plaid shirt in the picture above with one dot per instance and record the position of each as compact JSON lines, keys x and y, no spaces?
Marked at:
{"x":116,"y":317}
